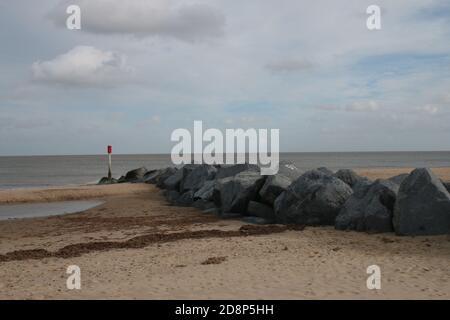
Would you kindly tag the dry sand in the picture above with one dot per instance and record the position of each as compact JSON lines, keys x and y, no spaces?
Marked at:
{"x":10,"y":196}
{"x":137,"y":246}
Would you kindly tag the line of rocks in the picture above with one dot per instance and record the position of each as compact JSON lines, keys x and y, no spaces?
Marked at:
{"x":409,"y":204}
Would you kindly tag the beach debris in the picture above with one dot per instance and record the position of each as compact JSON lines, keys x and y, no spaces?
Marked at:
{"x":369,"y":208}
{"x":279,"y":182}
{"x":422,"y":206}
{"x":315,"y":198}
{"x":78,"y":249}
{"x":214,"y":260}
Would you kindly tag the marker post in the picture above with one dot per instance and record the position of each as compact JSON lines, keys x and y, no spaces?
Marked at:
{"x":109,"y":163}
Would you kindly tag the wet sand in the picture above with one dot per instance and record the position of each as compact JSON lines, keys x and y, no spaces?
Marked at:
{"x":135,"y":245}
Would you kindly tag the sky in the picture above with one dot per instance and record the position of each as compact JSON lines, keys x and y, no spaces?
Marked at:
{"x":139,"y":69}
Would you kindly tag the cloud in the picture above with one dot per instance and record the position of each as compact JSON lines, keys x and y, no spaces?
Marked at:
{"x":356,"y":106}
{"x":85,"y":66}
{"x":153,"y":120}
{"x":289,"y":65}
{"x":165,"y":18}
{"x":429,"y":109}
{"x":363,"y":106}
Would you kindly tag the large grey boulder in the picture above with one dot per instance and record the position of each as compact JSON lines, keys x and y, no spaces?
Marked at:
{"x":230,"y":170}
{"x":171,"y":195}
{"x":349,"y":176}
{"x":164,"y":174}
{"x":136,"y":175}
{"x":315,"y":198}
{"x":398,"y":179}
{"x":186,"y":199}
{"x":233,"y":194}
{"x":369,"y":208}
{"x":159,"y":176}
{"x":422,"y":206}
{"x":261,"y":210}
{"x":325,"y":170}
{"x":195,"y":177}
{"x":173,"y":182}
{"x":276,"y":184}
{"x":205,"y":193}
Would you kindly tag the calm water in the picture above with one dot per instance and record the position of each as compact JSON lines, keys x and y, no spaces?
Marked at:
{"x":38,"y":171}
{"x":33,"y":210}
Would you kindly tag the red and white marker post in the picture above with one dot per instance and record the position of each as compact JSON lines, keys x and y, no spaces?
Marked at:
{"x":109,"y":163}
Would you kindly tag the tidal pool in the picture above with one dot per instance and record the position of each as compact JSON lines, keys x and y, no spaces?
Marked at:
{"x":33,"y":210}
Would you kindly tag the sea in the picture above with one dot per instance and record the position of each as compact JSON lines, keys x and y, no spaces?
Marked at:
{"x":47,"y":171}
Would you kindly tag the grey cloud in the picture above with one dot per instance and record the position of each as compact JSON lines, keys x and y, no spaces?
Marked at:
{"x":187,"y":22}
{"x":356,"y":106}
{"x":289,"y":65}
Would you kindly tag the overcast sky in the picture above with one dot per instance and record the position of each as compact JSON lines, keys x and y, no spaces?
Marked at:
{"x":139,"y":69}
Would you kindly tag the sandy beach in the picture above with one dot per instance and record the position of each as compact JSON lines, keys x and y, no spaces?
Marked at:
{"x":135,"y":245}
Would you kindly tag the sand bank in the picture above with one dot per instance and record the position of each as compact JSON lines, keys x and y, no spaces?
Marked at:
{"x":69,"y":193}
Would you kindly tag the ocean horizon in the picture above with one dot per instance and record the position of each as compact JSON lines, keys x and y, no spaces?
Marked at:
{"x":60,"y":170}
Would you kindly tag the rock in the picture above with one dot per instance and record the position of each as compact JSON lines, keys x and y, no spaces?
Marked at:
{"x":349,"y":176}
{"x":166,"y":173}
{"x":315,"y":198}
{"x":203,"y":205}
{"x":399,"y":178}
{"x":186,"y":199}
{"x":325,"y":170}
{"x":422,"y":206}
{"x":173,"y":181}
{"x":158,"y":177}
{"x":261,"y":210}
{"x":136,"y":175}
{"x":446,"y":185}
{"x":225,"y":170}
{"x":257,"y":220}
{"x":369,"y":208}
{"x":196,"y":177}
{"x":230,"y":216}
{"x":279,"y":182}
{"x":214,"y":211}
{"x":105,"y":180}
{"x":205,"y":193}
{"x":121,"y":179}
{"x":172,"y":196}
{"x":151,"y":176}
{"x":233,"y":194}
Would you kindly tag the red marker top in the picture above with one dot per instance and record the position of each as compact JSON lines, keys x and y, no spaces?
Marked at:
{"x":109,"y":149}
